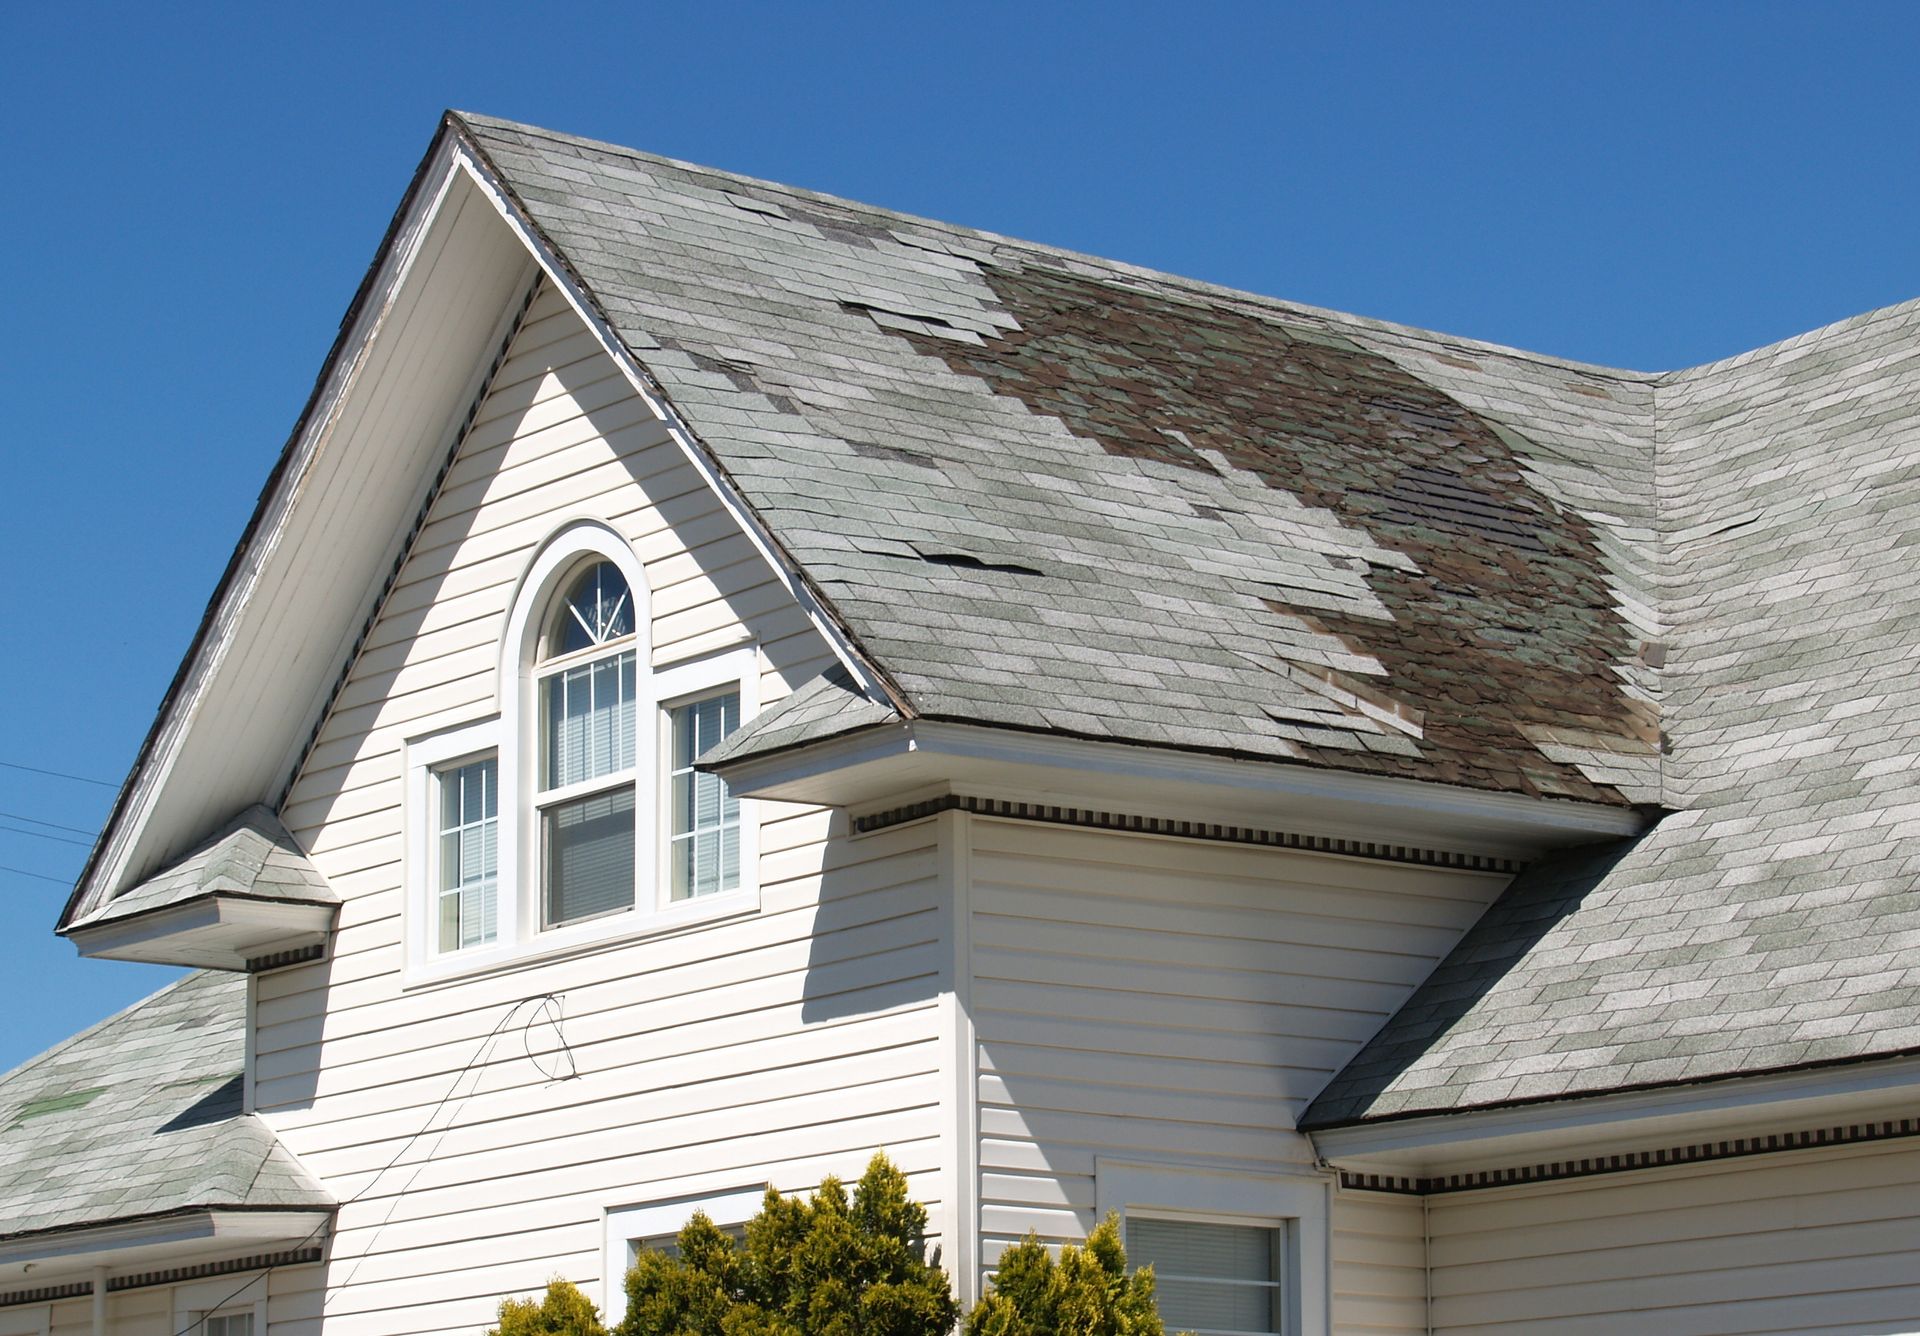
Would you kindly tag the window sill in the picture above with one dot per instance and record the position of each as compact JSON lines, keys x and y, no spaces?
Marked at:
{"x":580,"y":939}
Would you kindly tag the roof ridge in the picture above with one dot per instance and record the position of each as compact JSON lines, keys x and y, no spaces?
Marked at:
{"x":1263,"y":302}
{"x":1818,"y":334}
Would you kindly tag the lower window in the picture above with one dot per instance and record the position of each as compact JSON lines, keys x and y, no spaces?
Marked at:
{"x":1212,"y":1279}
{"x":230,"y":1324}
{"x":656,"y":1226}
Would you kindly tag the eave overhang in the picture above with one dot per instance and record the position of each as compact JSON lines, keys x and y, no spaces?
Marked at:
{"x":897,"y":763}
{"x":1817,"y":1100}
{"x":219,"y":931}
{"x":185,"y":1237}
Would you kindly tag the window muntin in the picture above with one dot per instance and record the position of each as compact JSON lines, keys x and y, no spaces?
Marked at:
{"x":587,"y":686}
{"x":703,"y":845}
{"x":468,"y":855}
{"x":1212,"y":1278}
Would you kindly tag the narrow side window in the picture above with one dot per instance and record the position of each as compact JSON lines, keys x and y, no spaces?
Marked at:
{"x":467,"y":856}
{"x":704,"y":837}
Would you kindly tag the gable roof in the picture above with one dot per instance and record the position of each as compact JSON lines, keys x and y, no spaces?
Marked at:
{"x":1047,"y":492}
{"x":1054,"y":493}
{"x":140,"y":1116}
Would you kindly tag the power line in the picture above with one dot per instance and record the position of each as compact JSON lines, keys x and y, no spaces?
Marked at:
{"x":45,"y":835}
{"x":56,"y":774}
{"x":40,"y":876}
{"x":52,"y":825}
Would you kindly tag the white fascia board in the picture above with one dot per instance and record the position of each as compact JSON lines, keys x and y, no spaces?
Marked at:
{"x":172,"y":1238}
{"x":182,"y":934}
{"x":1635,"y":1120}
{"x":875,"y":767}
{"x":651,"y":394}
{"x":143,"y":786}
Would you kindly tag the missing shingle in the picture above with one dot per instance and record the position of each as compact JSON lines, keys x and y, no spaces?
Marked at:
{"x":737,"y":373}
{"x":911,"y":322}
{"x":1213,"y":512}
{"x":873,"y":450}
{"x":968,"y":562}
{"x":846,"y":231}
{"x":748,"y":204}
{"x":73,"y":1099}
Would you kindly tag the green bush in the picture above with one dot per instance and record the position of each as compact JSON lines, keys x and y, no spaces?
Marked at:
{"x":838,"y":1267}
{"x":826,"y":1267}
{"x":564,"y":1311}
{"x":1087,"y":1292}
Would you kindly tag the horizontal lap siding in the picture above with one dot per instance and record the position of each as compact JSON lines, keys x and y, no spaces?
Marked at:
{"x":779,"y":1047}
{"x":1379,"y":1265}
{"x":1176,"y":1000}
{"x":1822,"y":1241}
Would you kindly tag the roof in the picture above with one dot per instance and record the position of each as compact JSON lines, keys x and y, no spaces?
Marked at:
{"x":253,"y":857}
{"x":1049,"y":492}
{"x":140,"y":1116}
{"x":1775,"y":922}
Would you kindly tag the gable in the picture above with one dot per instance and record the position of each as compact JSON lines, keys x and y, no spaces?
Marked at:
{"x":560,"y":437}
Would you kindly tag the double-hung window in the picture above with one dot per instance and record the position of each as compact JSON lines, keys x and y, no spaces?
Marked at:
{"x":576,"y":814}
{"x":1213,"y":1278}
{"x":585,"y":683}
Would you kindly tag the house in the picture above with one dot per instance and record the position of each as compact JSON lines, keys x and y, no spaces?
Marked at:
{"x":722,"y":680}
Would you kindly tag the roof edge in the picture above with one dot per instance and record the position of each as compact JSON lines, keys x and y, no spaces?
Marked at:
{"x":1308,"y":1123}
{"x":171,"y":699}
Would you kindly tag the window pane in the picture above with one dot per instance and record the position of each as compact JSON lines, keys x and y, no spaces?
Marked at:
{"x":230,"y":1324}
{"x":598,"y":608}
{"x":469,"y":854}
{"x":704,"y":842}
{"x":1202,"y":1306}
{"x":588,"y":721}
{"x":589,"y":856}
{"x":1210,"y":1277}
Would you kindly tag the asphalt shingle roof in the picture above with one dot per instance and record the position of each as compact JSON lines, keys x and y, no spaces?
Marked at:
{"x":254,"y":857}
{"x":140,"y":1116}
{"x":1775,"y":922}
{"x":1052,"y":492}
{"x":1057,"y":493}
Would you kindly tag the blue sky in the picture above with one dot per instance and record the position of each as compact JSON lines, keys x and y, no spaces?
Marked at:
{"x":193,"y":192}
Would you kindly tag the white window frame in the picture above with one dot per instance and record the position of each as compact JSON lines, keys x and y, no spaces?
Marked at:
{"x":626,"y":1225}
{"x":1299,"y":1205}
{"x":511,"y":736}
{"x":217,"y":1297}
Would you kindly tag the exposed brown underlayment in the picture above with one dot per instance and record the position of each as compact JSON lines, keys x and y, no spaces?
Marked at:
{"x":1509,"y":620}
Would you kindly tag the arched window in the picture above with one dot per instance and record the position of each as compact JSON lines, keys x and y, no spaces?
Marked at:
{"x":585,"y":803}
{"x":576,"y":815}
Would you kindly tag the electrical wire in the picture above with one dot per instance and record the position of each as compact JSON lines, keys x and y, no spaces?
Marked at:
{"x":51,"y":825}
{"x":39,"y":876}
{"x":550,"y":1006}
{"x":57,"y":774}
{"x":44,"y":835}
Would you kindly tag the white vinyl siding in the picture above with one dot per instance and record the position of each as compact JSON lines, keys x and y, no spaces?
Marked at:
{"x":1379,"y":1264}
{"x":1174,"y":1000}
{"x":1821,"y":1241}
{"x":777,"y":1046}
